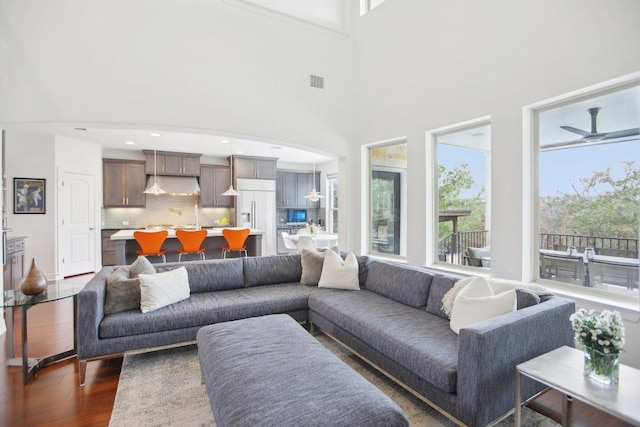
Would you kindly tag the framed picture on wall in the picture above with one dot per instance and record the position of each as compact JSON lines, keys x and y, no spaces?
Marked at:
{"x":29,"y":195}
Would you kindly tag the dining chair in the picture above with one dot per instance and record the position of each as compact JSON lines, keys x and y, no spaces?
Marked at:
{"x":289,"y":244}
{"x":151,"y":243}
{"x":305,"y":242}
{"x":236,"y":239}
{"x":191,"y":241}
{"x":302,"y":232}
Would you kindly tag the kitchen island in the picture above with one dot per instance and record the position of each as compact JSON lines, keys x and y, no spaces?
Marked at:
{"x":126,"y":246}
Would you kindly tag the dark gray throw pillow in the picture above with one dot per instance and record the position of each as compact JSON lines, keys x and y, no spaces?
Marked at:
{"x":526,"y":299}
{"x":123,"y":292}
{"x":141,"y":266}
{"x":312,"y":262}
{"x":440,"y":285}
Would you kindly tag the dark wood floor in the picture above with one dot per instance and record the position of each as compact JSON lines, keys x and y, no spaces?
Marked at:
{"x":55,"y":399}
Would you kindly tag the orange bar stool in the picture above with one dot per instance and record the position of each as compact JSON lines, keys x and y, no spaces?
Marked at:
{"x":236,"y":239}
{"x":191,"y":242}
{"x":151,"y":243}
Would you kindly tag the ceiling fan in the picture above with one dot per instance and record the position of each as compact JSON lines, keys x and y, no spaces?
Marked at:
{"x":594,"y":136}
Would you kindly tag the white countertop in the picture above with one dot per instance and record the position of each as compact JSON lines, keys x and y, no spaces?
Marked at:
{"x":211,"y":232}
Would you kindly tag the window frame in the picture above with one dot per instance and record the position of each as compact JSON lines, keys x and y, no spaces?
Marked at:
{"x":531,"y":204}
{"x":433,"y":200}
{"x":365,"y":230}
{"x":330,"y":209}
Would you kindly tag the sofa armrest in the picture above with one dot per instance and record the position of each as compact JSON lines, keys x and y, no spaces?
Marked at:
{"x":489,"y":351}
{"x":91,"y":311}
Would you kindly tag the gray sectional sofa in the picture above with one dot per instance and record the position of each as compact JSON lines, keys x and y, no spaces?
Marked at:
{"x":394,"y":322}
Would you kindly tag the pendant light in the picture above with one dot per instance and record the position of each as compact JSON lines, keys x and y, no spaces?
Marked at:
{"x":155,"y":188}
{"x":231,"y":191}
{"x":314,"y":195}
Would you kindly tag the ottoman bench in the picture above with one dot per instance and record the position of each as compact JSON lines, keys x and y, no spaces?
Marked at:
{"x":269,"y":371}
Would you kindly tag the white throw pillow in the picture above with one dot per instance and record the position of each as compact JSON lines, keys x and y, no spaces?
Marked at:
{"x":476,"y":303}
{"x":162,"y":289}
{"x":339,"y":274}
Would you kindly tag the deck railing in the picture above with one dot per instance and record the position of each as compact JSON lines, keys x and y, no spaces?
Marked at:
{"x":612,"y":246}
{"x":451,"y":248}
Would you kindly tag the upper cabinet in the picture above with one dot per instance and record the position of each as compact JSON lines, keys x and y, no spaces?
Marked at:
{"x":172,"y":163}
{"x":292,"y":186}
{"x":214,"y":180}
{"x":254,"y":167}
{"x":124,"y":182}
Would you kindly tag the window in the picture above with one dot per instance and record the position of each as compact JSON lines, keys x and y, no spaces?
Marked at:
{"x":367,"y":5}
{"x":464,"y":162}
{"x":332,"y":203}
{"x":589,"y":192}
{"x":387,"y":212}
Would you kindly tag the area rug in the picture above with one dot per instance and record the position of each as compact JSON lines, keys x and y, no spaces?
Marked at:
{"x":162,"y":388}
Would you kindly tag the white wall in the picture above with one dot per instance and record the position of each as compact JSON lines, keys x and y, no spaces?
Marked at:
{"x":424,"y":65}
{"x":31,"y":155}
{"x":193,"y":64}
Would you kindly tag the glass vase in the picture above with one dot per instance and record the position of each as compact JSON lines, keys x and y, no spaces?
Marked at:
{"x":602,"y":367}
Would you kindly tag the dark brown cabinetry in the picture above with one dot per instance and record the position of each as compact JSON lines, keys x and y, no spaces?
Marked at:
{"x":292,"y":186}
{"x":214,"y":180}
{"x":254,"y":167}
{"x":14,"y":267}
{"x":171,"y":163}
{"x":108,"y":247}
{"x":123,"y":183}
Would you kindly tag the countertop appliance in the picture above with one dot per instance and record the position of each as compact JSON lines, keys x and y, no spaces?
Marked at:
{"x":256,"y":208}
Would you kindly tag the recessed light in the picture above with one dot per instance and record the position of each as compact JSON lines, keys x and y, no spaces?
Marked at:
{"x":225,"y":141}
{"x":155,"y":134}
{"x":239,"y":152}
{"x":129,"y":142}
{"x":81,"y":129}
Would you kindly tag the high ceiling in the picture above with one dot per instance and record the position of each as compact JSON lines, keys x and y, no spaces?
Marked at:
{"x":115,"y":137}
{"x":619,"y":110}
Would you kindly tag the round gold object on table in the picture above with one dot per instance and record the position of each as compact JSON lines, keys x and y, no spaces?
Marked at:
{"x":34,"y":282}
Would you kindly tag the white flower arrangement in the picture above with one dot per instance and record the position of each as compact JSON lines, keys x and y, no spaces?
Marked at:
{"x":603,"y":332}
{"x":312,"y":228}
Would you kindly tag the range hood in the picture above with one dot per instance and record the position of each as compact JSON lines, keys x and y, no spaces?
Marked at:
{"x":176,"y":185}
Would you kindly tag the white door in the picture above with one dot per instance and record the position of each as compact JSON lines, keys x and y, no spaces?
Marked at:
{"x":78,"y":233}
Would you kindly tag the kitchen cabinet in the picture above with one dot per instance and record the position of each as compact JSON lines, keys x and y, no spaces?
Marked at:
{"x":292,"y":186}
{"x":108,"y":247}
{"x":14,"y":267}
{"x":214,"y":180}
{"x":287,"y":189}
{"x":172,"y":163}
{"x":124,"y":182}
{"x":254,"y":167}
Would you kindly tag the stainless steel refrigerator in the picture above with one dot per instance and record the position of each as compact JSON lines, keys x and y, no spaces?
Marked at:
{"x":256,"y":208}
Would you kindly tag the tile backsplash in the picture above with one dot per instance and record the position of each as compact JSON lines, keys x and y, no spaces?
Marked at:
{"x":177,"y":210}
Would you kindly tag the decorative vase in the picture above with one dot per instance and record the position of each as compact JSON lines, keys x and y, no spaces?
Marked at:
{"x":34,"y":282}
{"x":602,"y":367}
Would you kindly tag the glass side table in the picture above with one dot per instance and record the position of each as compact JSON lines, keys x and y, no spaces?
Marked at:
{"x":15,"y":299}
{"x":562,"y":370}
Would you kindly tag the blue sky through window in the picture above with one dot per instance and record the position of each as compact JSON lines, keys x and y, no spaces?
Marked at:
{"x":559,"y":169}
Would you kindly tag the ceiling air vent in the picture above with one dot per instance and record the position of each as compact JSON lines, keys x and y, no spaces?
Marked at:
{"x":317,"y":81}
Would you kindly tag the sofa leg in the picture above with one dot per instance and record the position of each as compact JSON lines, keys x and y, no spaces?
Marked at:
{"x":82,"y":371}
{"x":312,"y":328}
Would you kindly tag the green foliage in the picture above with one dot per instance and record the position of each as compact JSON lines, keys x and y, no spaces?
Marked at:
{"x":600,"y":206}
{"x":451,"y":183}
